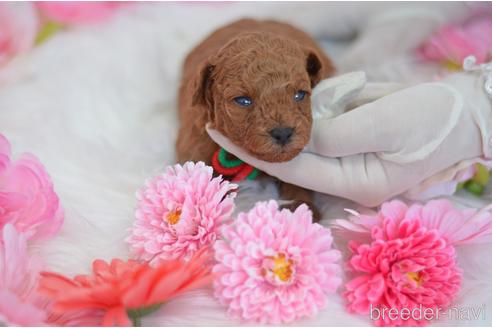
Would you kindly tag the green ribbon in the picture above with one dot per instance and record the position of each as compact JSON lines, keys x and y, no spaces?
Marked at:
{"x":253,"y":174}
{"x":232,"y":163}
{"x":229,"y":163}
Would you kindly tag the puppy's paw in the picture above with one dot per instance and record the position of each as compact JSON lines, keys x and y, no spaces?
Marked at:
{"x":292,"y":205}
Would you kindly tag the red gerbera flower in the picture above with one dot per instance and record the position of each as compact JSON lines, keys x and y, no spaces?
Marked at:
{"x":125,"y":290}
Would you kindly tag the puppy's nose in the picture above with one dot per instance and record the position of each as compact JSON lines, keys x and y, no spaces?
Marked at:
{"x":282,"y":135}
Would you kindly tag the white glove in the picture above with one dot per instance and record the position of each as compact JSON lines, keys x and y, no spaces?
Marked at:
{"x":391,"y":145}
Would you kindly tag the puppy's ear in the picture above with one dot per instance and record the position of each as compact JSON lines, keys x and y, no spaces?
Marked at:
{"x":201,"y":85}
{"x":317,"y":69}
{"x":314,"y":67}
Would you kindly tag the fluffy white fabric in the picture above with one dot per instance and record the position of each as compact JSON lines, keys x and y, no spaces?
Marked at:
{"x":97,"y":106}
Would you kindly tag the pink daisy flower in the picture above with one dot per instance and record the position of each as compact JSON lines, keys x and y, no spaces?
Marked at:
{"x":404,"y":258}
{"x":179,"y":212}
{"x":275,"y":266}
{"x":27,"y":198}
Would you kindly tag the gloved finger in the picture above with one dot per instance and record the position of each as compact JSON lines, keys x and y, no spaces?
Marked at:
{"x":362,"y":178}
{"x":405,"y":121}
{"x":373,"y":91}
{"x":331,"y":96}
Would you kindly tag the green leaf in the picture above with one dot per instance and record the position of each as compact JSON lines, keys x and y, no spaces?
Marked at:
{"x":481,"y":175}
{"x":474,"y":188}
{"x":47,"y":31}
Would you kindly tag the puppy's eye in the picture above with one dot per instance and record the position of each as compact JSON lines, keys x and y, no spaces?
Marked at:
{"x":299,"y":95}
{"x":243,"y":101}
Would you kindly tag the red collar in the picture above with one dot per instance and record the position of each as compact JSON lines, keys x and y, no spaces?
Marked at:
{"x":234,"y":168}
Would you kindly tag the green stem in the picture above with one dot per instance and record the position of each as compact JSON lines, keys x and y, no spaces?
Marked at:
{"x":137,"y":314}
{"x":137,"y":321}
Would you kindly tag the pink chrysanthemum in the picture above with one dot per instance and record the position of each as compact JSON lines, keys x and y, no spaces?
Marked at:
{"x":20,"y":304}
{"x":27,"y":198}
{"x":405,"y":259}
{"x":78,"y":12}
{"x":18,"y":27}
{"x":275,"y":266}
{"x":451,"y":44}
{"x":179,"y":212}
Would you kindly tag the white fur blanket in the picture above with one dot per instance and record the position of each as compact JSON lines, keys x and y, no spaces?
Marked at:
{"x":97,"y":106}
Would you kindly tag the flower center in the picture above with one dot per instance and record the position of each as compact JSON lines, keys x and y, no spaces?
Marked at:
{"x":173,"y":217}
{"x":452,"y":65}
{"x":282,"y":267}
{"x":415,"y":277}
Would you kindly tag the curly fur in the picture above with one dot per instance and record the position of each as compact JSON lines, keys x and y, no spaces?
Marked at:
{"x":266,"y":60}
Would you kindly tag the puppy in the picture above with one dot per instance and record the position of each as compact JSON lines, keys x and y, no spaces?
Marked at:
{"x":252,"y":80}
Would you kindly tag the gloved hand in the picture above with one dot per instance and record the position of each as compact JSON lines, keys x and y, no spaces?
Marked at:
{"x":390,"y":145}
